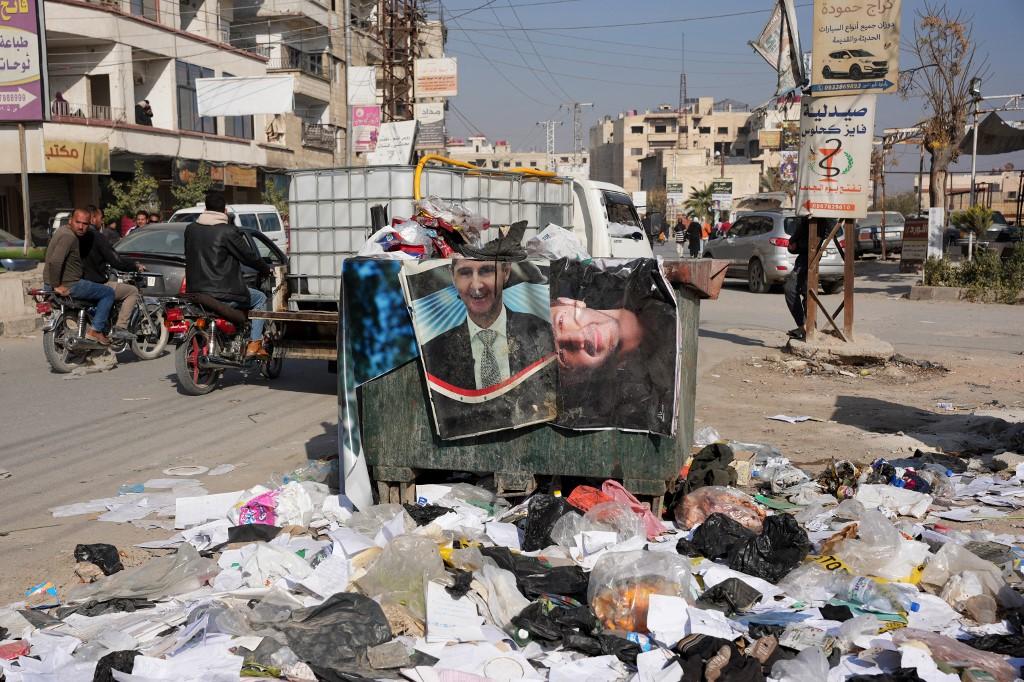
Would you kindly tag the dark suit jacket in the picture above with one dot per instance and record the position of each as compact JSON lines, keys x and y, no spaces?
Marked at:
{"x":449,"y":357}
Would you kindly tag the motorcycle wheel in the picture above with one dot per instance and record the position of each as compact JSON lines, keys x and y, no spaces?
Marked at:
{"x":271,"y":368}
{"x":191,"y":378}
{"x":56,"y":352}
{"x":151,"y":346}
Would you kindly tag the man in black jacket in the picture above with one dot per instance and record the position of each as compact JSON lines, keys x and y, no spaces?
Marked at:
{"x":97,"y":254}
{"x":215,"y":250}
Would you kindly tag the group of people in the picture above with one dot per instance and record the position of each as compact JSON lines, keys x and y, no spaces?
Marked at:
{"x":114,"y":229}
{"x":691,"y":232}
{"x":81,"y":253}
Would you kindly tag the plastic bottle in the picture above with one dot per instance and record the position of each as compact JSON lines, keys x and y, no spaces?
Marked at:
{"x":872,"y":595}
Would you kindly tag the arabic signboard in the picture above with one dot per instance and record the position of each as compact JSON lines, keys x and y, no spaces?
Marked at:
{"x":430,"y":116}
{"x":239,"y":176}
{"x":22,"y":72}
{"x":791,"y":136}
{"x":674,"y":193}
{"x":394,"y":144}
{"x":769,"y":139}
{"x":721,"y":194}
{"x":436,"y":77}
{"x":365,"y":127}
{"x":835,"y":156}
{"x":67,"y":156}
{"x":915,"y":242}
{"x":186,"y":169}
{"x":856,"y":47}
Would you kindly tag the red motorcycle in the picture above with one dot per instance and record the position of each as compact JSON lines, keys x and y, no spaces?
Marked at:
{"x":211,"y":337}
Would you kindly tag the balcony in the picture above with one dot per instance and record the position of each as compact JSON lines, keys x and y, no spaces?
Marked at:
{"x":290,"y":59}
{"x":64,"y":111}
{"x":311,"y":12}
{"x":319,"y":135}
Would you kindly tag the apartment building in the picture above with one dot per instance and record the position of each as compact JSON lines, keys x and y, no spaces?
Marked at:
{"x":476,"y":150}
{"x":704,"y":128}
{"x":999,"y":190}
{"x":105,"y":56}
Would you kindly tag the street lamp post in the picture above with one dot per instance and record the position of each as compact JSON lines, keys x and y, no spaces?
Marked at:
{"x":975,"y":90}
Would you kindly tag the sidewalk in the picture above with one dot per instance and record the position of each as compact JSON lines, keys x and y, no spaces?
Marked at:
{"x":17,"y":309}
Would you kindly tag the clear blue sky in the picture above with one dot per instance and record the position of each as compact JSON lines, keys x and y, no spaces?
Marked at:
{"x":621,"y":67}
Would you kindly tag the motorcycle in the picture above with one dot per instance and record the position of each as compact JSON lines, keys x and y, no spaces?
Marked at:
{"x":211,"y":338}
{"x":66,"y":320}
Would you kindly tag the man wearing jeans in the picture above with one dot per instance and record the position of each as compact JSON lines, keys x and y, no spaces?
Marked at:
{"x":215,"y":250}
{"x":63,"y":273}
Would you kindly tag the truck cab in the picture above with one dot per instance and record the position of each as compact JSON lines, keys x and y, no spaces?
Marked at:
{"x":606,"y":222}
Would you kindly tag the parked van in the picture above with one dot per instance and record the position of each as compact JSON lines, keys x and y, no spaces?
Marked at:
{"x":262,"y":217}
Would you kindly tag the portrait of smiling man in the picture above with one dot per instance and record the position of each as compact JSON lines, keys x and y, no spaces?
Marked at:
{"x":492,"y":369}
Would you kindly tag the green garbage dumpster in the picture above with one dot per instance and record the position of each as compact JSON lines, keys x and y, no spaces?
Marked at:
{"x":399,"y":438}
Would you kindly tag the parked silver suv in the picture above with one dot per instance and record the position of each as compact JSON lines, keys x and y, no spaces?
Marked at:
{"x":756,"y":247}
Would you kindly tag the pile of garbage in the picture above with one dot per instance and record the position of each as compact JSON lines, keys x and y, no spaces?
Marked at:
{"x":760,"y":571}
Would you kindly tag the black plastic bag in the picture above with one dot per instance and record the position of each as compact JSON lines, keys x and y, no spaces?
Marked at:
{"x":541,"y":514}
{"x":252,"y":532}
{"x":710,"y":466}
{"x":534,"y":579}
{"x":537,"y":621}
{"x":1007,"y":645}
{"x":730,"y":596}
{"x":623,"y":649}
{"x":425,"y":514}
{"x":103,"y":555}
{"x":121,"y":661}
{"x":333,"y":634}
{"x":898,"y":675}
{"x":719,"y":536}
{"x":780,"y":548}
{"x":462,"y":581}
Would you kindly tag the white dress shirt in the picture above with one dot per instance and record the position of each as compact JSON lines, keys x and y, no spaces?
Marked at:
{"x":500,"y":327}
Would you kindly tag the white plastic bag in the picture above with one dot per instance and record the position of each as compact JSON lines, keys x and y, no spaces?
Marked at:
{"x":554,"y":242}
{"x":809,"y":666}
{"x":880,"y":550}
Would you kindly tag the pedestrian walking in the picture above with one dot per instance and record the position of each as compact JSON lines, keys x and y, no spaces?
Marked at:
{"x":705,"y":234}
{"x":693,"y":235}
{"x":796,"y":283}
{"x":679,"y":232}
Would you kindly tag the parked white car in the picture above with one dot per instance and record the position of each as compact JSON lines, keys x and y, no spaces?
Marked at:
{"x":261,"y":217}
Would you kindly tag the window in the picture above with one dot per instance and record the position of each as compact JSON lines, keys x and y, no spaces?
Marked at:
{"x":636,"y":130}
{"x":238,"y":126}
{"x":188,"y":111}
{"x":660,"y":129}
{"x":269,"y":222}
{"x":684,"y":129}
{"x":508,"y":164}
{"x":723,"y":130}
{"x":1012,"y":194}
{"x":635,"y":173}
{"x":247,"y":221}
{"x":533,"y":164}
{"x":705,"y":130}
{"x":743,"y":130}
{"x":636,"y":151}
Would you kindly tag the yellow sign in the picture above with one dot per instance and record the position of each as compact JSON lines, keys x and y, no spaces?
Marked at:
{"x":66,"y":156}
{"x":769,"y":139}
{"x":239,"y":176}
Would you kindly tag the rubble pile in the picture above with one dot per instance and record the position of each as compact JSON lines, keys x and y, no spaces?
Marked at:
{"x":759,"y":571}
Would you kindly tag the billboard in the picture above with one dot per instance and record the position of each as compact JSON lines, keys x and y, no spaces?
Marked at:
{"x":835,"y":155}
{"x":856,"y":47}
{"x":22,"y":54}
{"x":436,"y":77}
{"x":365,"y":127}
{"x":769,"y":139}
{"x":67,"y":156}
{"x":362,"y":85}
{"x":394,"y":144}
{"x":721,"y":194}
{"x":430,"y":116}
{"x":245,"y":96}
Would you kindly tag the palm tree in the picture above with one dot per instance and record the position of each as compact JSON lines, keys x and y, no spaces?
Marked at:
{"x":699,"y":202}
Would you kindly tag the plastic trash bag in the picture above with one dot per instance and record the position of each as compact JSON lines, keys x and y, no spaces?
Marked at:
{"x":504,"y":600}
{"x":425,"y":514}
{"x":554,"y":242}
{"x":880,"y":550}
{"x":103,"y":555}
{"x":610,"y":517}
{"x":651,"y":523}
{"x":295,"y":505}
{"x":473,"y":495}
{"x":369,"y":521}
{"x":401,"y":573}
{"x":535,"y":578}
{"x":897,"y":500}
{"x":730,"y":596}
{"x":809,"y":666}
{"x":719,"y":536}
{"x":952,"y":559}
{"x":706,"y":435}
{"x":267,"y":563}
{"x":708,"y":500}
{"x":543,"y":511}
{"x":779,"y":549}
{"x":946,"y":650}
{"x":165,"y":576}
{"x":622,"y":583}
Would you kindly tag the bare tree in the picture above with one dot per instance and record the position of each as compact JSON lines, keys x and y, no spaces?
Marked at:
{"x":946,"y":52}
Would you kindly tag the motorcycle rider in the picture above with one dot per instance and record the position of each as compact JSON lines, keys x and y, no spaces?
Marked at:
{"x":97,"y":254}
{"x":63,"y":272}
{"x":214,"y":252}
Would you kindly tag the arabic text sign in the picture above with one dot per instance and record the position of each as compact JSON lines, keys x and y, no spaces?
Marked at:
{"x":430,"y":116}
{"x":835,"y":156}
{"x":437,"y":77}
{"x":21,"y":84}
{"x":856,"y":46}
{"x":915,"y":241}
{"x":721,"y":194}
{"x":394,"y":144}
{"x":365,"y":127}
{"x":66,"y":156}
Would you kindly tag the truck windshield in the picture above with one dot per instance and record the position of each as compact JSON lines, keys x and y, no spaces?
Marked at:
{"x":620,"y":209}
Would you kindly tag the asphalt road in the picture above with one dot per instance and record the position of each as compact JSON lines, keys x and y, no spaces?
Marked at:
{"x":70,"y":440}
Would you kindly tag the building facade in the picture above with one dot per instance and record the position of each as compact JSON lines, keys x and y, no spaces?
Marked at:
{"x":715,"y":131}
{"x":477,"y":150}
{"x":999,"y":190}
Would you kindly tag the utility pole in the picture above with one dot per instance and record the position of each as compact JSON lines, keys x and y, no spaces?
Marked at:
{"x":682,"y":75}
{"x":397,"y":34}
{"x":549,"y":138}
{"x":576,"y":108}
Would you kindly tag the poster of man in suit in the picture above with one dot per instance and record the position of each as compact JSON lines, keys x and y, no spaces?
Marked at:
{"x":484,"y":331}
